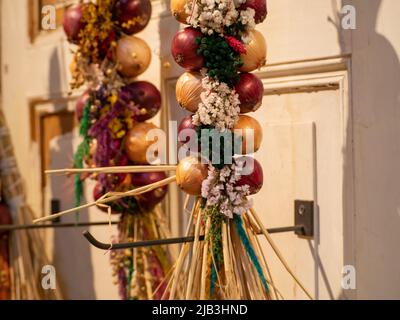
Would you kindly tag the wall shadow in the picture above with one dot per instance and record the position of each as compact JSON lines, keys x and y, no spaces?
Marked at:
{"x":167,"y":27}
{"x":372,"y":244}
{"x":71,"y":252}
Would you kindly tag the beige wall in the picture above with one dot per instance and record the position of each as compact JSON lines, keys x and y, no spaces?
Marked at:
{"x":35,"y":79}
{"x":376,"y":103}
{"x":347,"y":84}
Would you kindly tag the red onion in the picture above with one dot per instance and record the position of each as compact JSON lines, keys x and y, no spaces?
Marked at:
{"x":98,"y":192}
{"x":5,"y":216}
{"x":80,"y":104}
{"x":250,"y":90}
{"x":138,"y":12}
{"x":259,"y":6}
{"x":184,"y":49}
{"x":73,"y":22}
{"x":149,"y":200}
{"x":186,"y":123}
{"x":253,"y":179}
{"x":146,"y":96}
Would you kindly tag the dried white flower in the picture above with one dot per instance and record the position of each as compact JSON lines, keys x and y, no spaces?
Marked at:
{"x":213,"y":15}
{"x":219,"y":107}
{"x":219,"y":189}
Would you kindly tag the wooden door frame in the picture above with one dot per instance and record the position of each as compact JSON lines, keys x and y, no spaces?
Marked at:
{"x":39,"y":109}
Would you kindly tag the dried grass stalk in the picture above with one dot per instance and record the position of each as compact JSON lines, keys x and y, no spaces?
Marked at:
{"x":278,"y":253}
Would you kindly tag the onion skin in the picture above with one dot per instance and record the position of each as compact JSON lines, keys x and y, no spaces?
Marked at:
{"x":178,"y":10}
{"x":147,"y":201}
{"x":244,"y":124}
{"x":5,"y":217}
{"x":259,"y":6}
{"x":184,"y":49}
{"x":135,"y":142}
{"x":256,"y":52}
{"x":80,"y":104}
{"x":190,"y":174}
{"x":255,"y":179}
{"x":250,"y":90}
{"x":133,"y":55}
{"x":129,"y":10}
{"x":146,"y":96}
{"x":73,"y":22}
{"x":188,"y":91}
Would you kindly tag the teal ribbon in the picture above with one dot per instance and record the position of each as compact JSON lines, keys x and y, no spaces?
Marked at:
{"x":249,"y":248}
{"x":213,"y":276}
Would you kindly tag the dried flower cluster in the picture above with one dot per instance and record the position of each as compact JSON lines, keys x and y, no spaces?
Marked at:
{"x":225,"y":27}
{"x":219,"y":189}
{"x":97,"y":40}
{"x":219,"y":107}
{"x":214,"y":16}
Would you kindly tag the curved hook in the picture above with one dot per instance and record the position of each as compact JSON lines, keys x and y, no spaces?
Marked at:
{"x":129,"y":245}
{"x":150,"y":243}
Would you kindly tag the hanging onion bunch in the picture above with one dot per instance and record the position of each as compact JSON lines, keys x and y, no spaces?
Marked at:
{"x":103,"y":31}
{"x":226,"y":51}
{"x":108,"y":56}
{"x":228,"y":48}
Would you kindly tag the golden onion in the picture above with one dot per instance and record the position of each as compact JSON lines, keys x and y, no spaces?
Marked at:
{"x":190,"y":174}
{"x":136,"y":143}
{"x":133,"y":56}
{"x":256,"y":52}
{"x":178,"y":10}
{"x":247,"y":128}
{"x":188,"y":90}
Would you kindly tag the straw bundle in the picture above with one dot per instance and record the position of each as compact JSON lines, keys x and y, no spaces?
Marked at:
{"x":141,"y":272}
{"x":207,"y":277}
{"x":27,"y":256}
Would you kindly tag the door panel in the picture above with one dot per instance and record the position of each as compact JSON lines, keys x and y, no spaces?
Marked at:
{"x":302,"y":159}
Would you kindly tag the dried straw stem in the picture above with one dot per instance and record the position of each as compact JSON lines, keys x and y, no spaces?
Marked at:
{"x":204,"y":267}
{"x":110,"y":197}
{"x":256,"y":245}
{"x":121,"y":169}
{"x":182,"y":255}
{"x":195,"y":253}
{"x":278,"y":253}
{"x":147,"y":276}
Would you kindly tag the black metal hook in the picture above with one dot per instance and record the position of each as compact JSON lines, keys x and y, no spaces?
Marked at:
{"x":150,"y":243}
